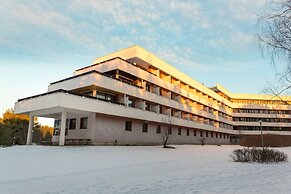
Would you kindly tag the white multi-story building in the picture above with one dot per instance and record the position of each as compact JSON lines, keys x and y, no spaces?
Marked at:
{"x":129,"y":96}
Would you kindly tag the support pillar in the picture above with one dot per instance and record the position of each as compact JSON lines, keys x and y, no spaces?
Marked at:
{"x":30,"y":130}
{"x":95,"y":93}
{"x":125,"y":100}
{"x":63,"y":129}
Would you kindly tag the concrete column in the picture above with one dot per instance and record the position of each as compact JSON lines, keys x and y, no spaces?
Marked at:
{"x":143,"y":84}
{"x":63,"y":129}
{"x":94,"y":93}
{"x":30,"y":130}
{"x":117,"y":74}
{"x":125,"y":98}
{"x":158,"y":73}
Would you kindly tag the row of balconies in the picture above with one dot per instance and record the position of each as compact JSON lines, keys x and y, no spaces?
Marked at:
{"x":261,"y":111}
{"x":183,"y":100}
{"x":254,"y":119}
{"x":160,"y":109}
{"x":199,"y":109}
{"x":167,"y":82}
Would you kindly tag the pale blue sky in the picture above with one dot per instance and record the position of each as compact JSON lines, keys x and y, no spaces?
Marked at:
{"x":210,"y":40}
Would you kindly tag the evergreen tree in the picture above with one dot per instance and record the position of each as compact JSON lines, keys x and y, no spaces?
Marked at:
{"x":13,"y":130}
{"x":5,"y":136}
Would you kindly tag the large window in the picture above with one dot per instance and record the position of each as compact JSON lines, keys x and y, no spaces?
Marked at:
{"x":72,"y":124}
{"x":128,"y":126}
{"x":84,"y":123}
{"x":105,"y":97}
{"x":145,"y":127}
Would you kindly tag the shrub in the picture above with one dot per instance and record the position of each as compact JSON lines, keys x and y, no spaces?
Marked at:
{"x":260,"y":155}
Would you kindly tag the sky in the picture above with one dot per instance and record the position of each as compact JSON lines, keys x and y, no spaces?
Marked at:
{"x":209,"y":40}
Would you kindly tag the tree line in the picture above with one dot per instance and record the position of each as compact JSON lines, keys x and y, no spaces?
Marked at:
{"x":13,"y":130}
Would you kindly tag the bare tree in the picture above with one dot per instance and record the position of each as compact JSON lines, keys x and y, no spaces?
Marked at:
{"x":274,"y":38}
{"x":202,"y":139}
{"x":166,"y":131}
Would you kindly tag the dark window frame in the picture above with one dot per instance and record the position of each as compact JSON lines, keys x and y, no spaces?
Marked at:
{"x":158,"y":129}
{"x":128,"y":126}
{"x":145,"y":127}
{"x":71,"y":126}
{"x":84,"y":125}
{"x":179,"y":131}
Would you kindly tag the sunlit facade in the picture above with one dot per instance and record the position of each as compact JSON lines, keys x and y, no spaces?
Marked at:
{"x":129,"y":96}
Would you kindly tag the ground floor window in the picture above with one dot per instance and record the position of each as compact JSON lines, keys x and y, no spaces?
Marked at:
{"x":84,"y":123}
{"x":145,"y":127}
{"x":158,"y":130}
{"x":170,"y":131}
{"x":195,"y":133}
{"x":72,"y":124}
{"x":179,"y":131}
{"x":128,"y":126}
{"x":188,"y":132}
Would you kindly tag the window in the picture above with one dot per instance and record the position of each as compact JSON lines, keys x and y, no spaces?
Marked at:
{"x":158,"y":130}
{"x":89,"y":93}
{"x":206,"y":133}
{"x":105,"y":97}
{"x":170,"y":131}
{"x":211,"y":134}
{"x":148,"y":87}
{"x":201,"y":133}
{"x":72,"y":124}
{"x":147,"y":106}
{"x":188,"y":132}
{"x":145,"y":127}
{"x":130,"y":102}
{"x":84,"y":123}
{"x":216,"y":135}
{"x":57,"y":127}
{"x":67,"y":127}
{"x":179,"y":131}
{"x":195,"y":133}
{"x":128,"y":126}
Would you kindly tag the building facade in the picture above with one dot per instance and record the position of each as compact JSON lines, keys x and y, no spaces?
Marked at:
{"x":129,"y":97}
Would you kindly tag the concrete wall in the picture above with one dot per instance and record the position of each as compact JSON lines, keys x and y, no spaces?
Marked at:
{"x":110,"y":129}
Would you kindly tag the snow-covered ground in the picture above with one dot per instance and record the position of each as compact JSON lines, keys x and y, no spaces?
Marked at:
{"x":101,"y":169}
